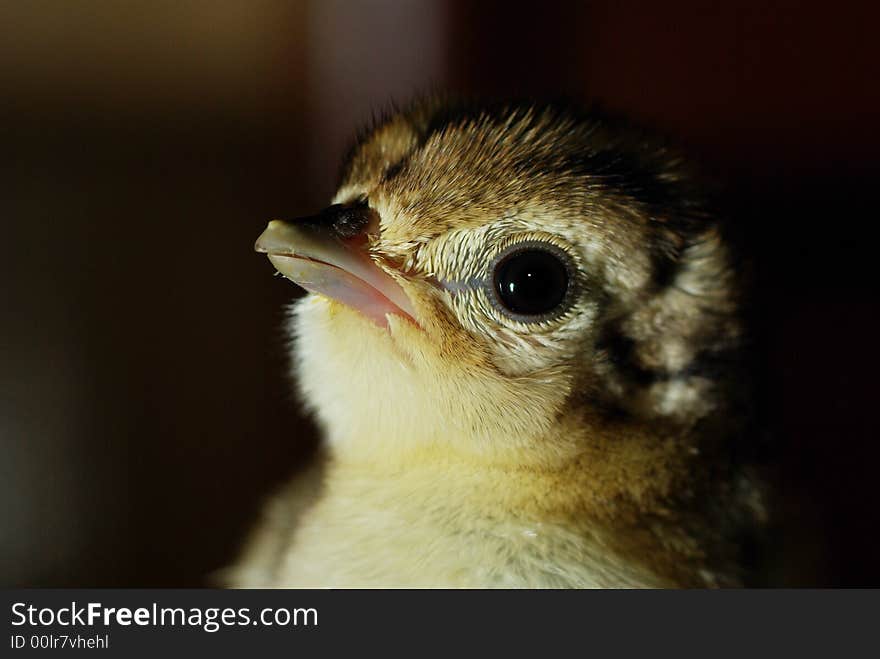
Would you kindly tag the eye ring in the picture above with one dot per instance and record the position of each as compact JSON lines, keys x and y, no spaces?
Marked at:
{"x":532,"y":281}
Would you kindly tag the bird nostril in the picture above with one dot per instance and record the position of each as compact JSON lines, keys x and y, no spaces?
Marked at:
{"x":346,"y":221}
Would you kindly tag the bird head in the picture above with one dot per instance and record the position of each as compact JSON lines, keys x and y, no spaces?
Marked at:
{"x":510,"y":283}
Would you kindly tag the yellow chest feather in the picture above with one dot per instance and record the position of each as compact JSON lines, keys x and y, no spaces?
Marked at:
{"x":435,"y":527}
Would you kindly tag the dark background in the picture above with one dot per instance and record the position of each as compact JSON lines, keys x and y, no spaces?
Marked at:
{"x":145,"y":410}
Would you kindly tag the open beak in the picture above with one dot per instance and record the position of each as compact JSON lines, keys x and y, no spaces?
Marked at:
{"x":321,"y":262}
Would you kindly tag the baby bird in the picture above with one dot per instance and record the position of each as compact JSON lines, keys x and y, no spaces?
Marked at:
{"x":522,"y":345}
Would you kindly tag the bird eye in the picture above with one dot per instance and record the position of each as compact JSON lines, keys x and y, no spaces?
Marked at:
{"x":531,"y":280}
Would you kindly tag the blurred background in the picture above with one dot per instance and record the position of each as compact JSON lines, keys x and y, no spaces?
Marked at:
{"x":145,"y":410}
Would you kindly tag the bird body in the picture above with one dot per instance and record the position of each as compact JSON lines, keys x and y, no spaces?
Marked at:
{"x":519,"y":346}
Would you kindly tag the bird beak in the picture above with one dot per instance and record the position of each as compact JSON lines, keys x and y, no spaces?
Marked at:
{"x":321,"y":262}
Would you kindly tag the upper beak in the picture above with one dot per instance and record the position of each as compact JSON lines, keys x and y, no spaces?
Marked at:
{"x":317,"y":259}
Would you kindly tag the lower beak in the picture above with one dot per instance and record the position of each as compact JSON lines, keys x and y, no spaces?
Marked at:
{"x":322,"y":263}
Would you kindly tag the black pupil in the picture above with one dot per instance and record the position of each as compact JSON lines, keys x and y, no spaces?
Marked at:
{"x":531,"y":282}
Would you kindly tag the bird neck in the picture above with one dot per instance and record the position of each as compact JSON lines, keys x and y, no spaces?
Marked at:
{"x":618,"y":491}
{"x":583,"y":462}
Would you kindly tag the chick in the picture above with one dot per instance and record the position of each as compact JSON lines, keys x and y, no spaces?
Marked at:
{"x":521,"y":345}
